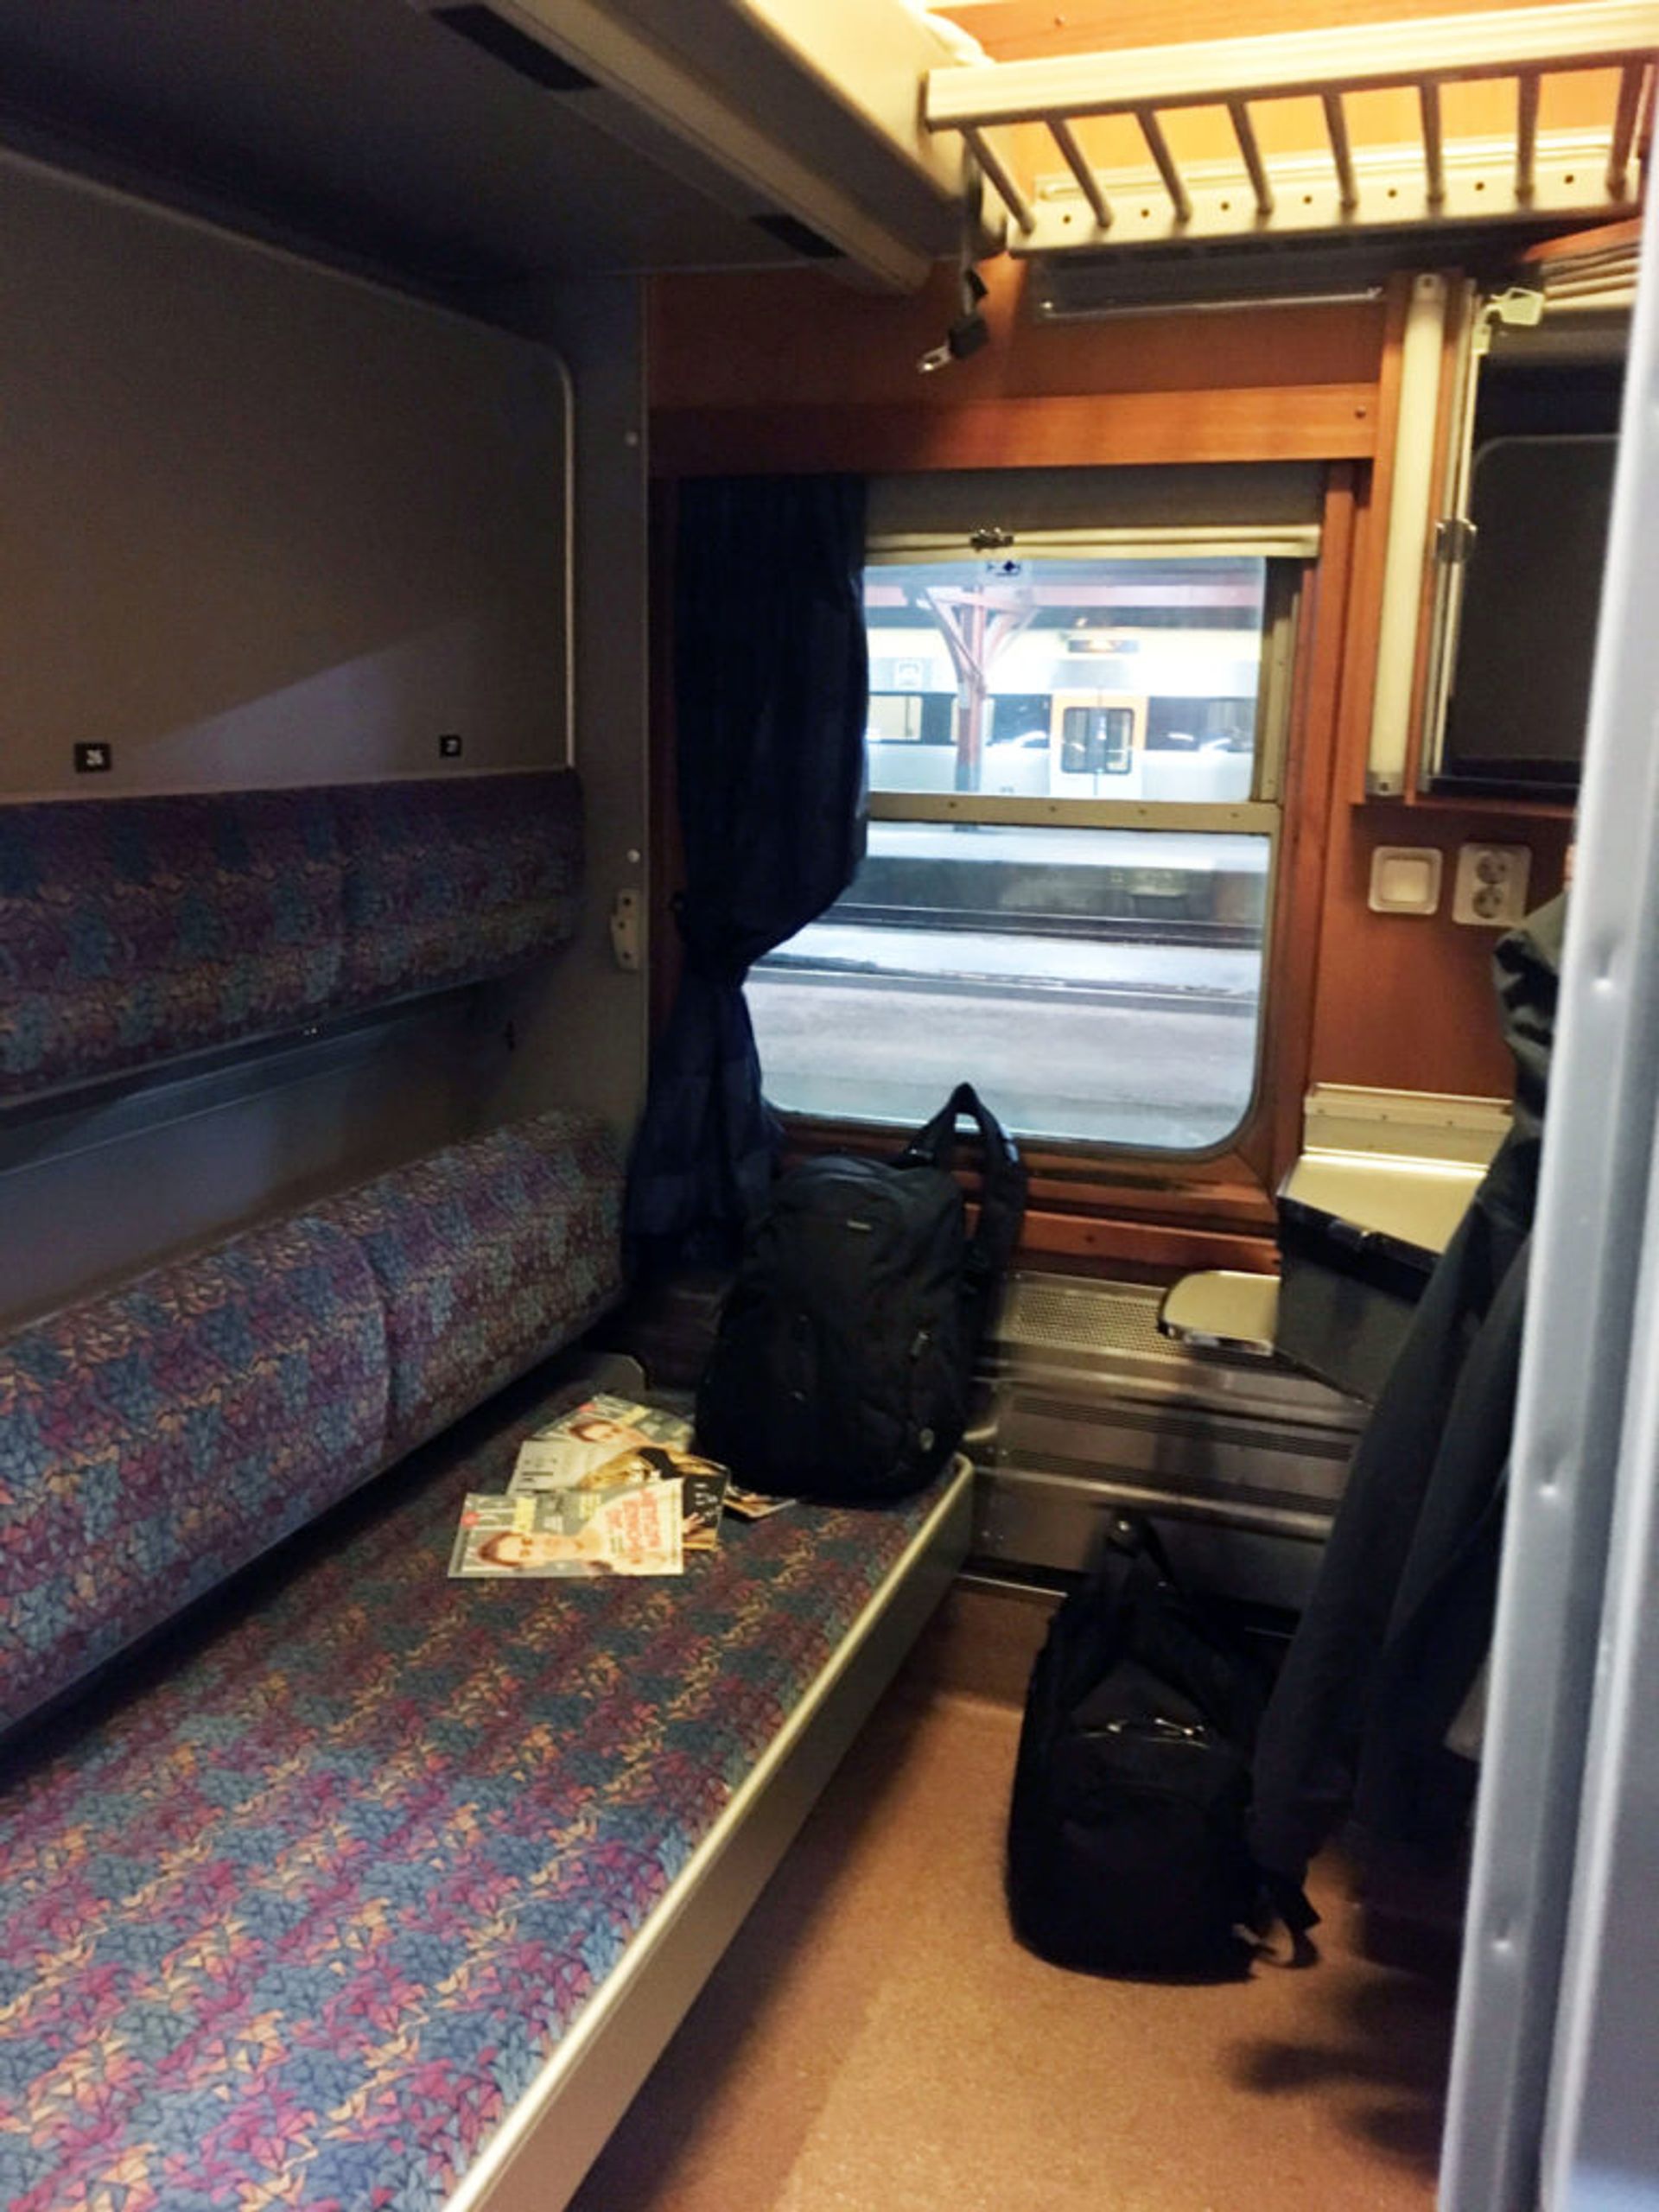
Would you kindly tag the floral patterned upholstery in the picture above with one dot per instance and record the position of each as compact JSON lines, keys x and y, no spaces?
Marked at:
{"x":487,"y":1254}
{"x":297,"y":1924}
{"x":134,"y":930}
{"x":448,"y":880}
{"x":153,"y":1441}
{"x":138,"y":929}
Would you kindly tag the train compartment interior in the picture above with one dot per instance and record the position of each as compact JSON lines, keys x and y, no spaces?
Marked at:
{"x":603,"y":601}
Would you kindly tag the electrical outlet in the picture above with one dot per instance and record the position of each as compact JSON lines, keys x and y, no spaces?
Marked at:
{"x":450,"y":745}
{"x":1490,"y":891}
{"x":93,"y":759}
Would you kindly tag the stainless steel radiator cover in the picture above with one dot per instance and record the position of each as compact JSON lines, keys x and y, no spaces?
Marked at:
{"x":1240,"y":1462}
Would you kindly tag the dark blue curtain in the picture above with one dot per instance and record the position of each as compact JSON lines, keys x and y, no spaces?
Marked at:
{"x":772,"y":688}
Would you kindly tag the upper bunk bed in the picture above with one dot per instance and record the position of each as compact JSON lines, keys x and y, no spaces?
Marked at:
{"x":465,"y":146}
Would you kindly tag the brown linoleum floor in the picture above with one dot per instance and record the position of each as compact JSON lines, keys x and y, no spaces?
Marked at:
{"x":873,"y":2041}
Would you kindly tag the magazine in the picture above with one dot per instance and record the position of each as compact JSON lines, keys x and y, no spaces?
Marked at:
{"x":565,"y":1534}
{"x":546,"y":1466}
{"x":751,"y":1504}
{"x":704,"y":1488}
{"x":606,"y":1416}
{"x":585,"y":1437}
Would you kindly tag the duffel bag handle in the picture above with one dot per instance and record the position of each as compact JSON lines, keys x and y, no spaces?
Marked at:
{"x":1002,"y":1200}
{"x":1134,"y":1536}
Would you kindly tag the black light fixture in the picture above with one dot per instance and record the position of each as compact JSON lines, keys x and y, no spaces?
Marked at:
{"x":968,"y":335}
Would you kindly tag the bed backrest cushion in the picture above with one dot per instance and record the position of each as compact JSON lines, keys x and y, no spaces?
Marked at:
{"x":450,"y":880}
{"x":136,"y":930}
{"x":487,"y":1254}
{"x":141,"y":929}
{"x":154,"y":1441}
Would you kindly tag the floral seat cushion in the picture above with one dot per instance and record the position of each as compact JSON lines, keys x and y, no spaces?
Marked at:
{"x":298,"y":1922}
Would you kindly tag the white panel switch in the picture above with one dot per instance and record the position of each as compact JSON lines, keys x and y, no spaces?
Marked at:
{"x":1406,"y":879}
{"x":1491,"y":886}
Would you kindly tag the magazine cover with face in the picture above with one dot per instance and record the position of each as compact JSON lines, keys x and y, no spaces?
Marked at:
{"x":567,"y":1534}
{"x":545,"y":1465}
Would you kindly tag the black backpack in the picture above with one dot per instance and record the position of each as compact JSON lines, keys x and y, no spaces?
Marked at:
{"x":843,"y":1361}
{"x":1127,"y":1850}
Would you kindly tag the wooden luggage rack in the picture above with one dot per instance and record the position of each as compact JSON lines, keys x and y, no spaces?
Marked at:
{"x":1520,"y":175}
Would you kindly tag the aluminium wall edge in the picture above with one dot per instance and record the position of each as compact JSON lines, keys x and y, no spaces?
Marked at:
{"x":539,"y":2156}
{"x":1601,"y":2129}
{"x":1574,"y":1475}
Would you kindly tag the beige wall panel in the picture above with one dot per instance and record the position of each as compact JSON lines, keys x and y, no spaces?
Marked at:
{"x":261,"y":524}
{"x":98,"y":1192}
{"x":580,"y":1024}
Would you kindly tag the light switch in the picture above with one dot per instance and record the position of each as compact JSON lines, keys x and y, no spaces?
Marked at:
{"x":1406,"y":879}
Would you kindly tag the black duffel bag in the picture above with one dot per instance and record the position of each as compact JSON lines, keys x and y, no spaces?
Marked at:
{"x":1127,"y":1850}
{"x":843,"y":1362}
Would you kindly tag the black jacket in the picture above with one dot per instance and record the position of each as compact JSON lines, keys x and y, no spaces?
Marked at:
{"x":1401,"y":1618}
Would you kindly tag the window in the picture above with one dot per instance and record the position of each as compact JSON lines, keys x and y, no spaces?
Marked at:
{"x":1096,"y":741}
{"x":1074,"y":754}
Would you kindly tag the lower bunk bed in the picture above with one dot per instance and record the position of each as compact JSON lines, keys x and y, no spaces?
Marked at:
{"x":372,"y":1889}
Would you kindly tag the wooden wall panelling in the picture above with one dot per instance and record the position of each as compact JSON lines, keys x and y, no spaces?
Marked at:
{"x":1013,"y":29}
{"x":796,"y":338}
{"x":788,"y":371}
{"x":1158,"y":1250}
{"x":1220,"y":1194}
{"x":1603,"y":238}
{"x":1406,"y":1000}
{"x":1273,"y":422}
